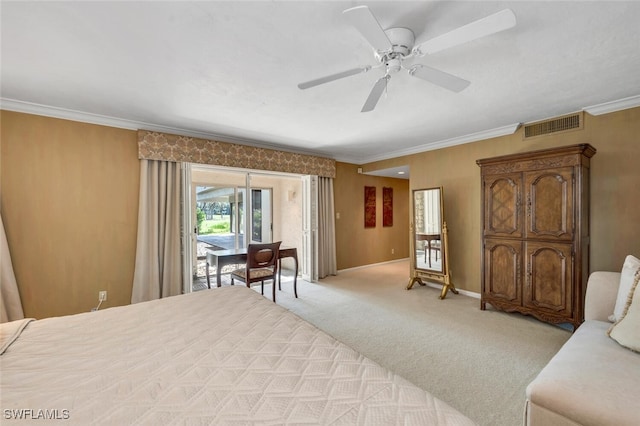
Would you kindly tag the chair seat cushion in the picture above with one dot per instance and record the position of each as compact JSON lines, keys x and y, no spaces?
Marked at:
{"x":255,"y":273}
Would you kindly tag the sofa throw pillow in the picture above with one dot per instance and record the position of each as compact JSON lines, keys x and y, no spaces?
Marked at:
{"x":629,"y":268}
{"x":627,"y":330}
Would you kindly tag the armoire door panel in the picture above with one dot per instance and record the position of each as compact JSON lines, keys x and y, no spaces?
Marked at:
{"x":502,"y":213}
{"x":548,"y":277}
{"x":502,"y":270}
{"x":549,"y":204}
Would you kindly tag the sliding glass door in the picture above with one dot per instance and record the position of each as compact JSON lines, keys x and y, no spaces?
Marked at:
{"x":219,"y":212}
{"x":228,"y":208}
{"x":261,"y":215}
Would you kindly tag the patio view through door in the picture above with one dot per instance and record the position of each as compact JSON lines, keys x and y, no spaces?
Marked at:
{"x":227,"y":205}
{"x":219,"y":212}
{"x":220,"y":215}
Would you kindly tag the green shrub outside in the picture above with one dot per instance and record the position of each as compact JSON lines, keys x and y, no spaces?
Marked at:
{"x":200,"y":218}
{"x":215,"y":226}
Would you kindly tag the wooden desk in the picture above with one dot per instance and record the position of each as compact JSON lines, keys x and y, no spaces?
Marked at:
{"x":221,"y":258}
{"x":293,"y":253}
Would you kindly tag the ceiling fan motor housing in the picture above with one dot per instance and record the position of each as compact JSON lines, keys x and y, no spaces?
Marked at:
{"x":393,"y":65}
{"x":402,"y":40}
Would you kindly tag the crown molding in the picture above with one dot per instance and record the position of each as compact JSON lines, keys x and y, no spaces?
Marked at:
{"x":613,"y":106}
{"x":121,"y":123}
{"x":431,"y":146}
{"x":67,"y":114}
{"x":85,"y":117}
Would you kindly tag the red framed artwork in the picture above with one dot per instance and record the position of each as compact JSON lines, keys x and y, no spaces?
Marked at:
{"x":369,"y":206}
{"x":387,"y":206}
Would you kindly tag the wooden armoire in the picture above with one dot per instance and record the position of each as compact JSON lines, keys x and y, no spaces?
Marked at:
{"x":535,"y":232}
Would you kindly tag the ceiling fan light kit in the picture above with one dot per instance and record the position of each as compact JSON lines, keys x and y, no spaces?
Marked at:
{"x":394,"y":45}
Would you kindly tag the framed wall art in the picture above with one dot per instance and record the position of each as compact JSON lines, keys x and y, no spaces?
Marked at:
{"x":387,"y":206}
{"x":369,"y":206}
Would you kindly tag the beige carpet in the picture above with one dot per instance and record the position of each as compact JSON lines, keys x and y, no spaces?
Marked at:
{"x":480,"y":362}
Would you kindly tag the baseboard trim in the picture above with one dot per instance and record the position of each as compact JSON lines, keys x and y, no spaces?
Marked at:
{"x":373,"y":264}
{"x":428,"y":283}
{"x":463,"y":292}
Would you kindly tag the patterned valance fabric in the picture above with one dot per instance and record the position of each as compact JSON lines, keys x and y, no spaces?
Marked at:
{"x":163,"y":146}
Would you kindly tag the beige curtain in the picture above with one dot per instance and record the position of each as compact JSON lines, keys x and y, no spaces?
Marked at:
{"x":9,"y":295}
{"x":158,"y":268}
{"x":326,"y":229}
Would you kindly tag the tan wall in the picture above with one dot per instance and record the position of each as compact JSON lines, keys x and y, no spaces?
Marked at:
{"x":69,"y":199}
{"x":615,"y":189}
{"x":355,"y":244}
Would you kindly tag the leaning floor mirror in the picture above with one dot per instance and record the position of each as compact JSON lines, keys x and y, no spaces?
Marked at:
{"x":430,"y":241}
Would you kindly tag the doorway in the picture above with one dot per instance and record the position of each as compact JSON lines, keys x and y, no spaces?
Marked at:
{"x":222,"y":215}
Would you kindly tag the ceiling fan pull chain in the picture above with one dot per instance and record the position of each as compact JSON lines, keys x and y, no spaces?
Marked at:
{"x":387,"y":77}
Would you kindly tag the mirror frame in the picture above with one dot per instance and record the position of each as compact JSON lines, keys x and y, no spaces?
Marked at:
{"x":442,"y":270}
{"x":420,"y":274}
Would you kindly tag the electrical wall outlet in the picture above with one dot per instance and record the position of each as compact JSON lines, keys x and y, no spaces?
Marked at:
{"x":102,"y":296}
{"x":393,"y":251}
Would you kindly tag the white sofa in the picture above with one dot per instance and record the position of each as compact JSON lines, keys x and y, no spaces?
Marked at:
{"x":592,"y":380}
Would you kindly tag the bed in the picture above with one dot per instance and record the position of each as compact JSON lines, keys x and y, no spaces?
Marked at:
{"x":221,"y":356}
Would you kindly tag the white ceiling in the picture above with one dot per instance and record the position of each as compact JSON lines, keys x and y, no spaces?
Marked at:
{"x":400,"y":172}
{"x":229,"y":69}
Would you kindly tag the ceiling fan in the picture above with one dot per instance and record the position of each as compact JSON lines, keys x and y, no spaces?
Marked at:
{"x":394,"y":45}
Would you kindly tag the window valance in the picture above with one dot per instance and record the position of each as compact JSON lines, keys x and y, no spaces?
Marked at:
{"x":167,"y":147}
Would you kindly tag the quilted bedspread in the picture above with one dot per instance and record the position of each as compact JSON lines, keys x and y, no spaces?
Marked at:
{"x":222,"y":356}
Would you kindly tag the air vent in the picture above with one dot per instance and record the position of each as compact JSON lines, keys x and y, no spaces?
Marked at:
{"x":560,"y":124}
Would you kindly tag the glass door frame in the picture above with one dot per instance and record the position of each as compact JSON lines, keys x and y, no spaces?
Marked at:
{"x":190,"y":237}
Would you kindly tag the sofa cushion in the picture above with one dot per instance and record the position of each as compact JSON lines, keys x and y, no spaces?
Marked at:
{"x":630,"y":268}
{"x":592,"y":380}
{"x":627,"y":330}
{"x":600,"y":299}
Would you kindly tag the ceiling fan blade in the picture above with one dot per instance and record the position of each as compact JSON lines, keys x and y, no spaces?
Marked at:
{"x":441,"y":78}
{"x":332,"y":77}
{"x":491,"y":24}
{"x":362,"y":18}
{"x":375,"y":94}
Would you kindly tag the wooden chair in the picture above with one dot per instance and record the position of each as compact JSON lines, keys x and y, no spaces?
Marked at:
{"x":262,"y":264}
